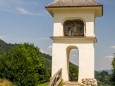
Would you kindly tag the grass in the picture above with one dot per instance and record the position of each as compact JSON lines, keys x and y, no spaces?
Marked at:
{"x":44,"y":84}
{"x":5,"y":82}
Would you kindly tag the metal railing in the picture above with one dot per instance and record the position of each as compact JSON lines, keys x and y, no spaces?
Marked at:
{"x":56,"y":79}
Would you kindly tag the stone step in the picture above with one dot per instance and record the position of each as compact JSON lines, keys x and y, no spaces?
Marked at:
{"x":72,"y":84}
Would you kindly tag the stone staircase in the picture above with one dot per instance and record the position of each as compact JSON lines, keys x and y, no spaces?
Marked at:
{"x":72,"y":84}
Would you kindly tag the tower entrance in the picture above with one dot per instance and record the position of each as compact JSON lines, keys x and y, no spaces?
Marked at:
{"x":73,"y":63}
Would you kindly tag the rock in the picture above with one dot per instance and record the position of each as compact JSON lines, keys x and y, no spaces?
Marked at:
{"x":89,"y":82}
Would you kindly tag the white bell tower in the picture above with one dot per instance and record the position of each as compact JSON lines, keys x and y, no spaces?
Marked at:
{"x":74,"y":27}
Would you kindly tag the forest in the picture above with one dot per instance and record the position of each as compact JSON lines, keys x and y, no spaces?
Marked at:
{"x":25,"y":65}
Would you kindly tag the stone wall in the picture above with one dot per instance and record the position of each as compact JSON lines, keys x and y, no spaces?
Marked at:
{"x":89,"y":82}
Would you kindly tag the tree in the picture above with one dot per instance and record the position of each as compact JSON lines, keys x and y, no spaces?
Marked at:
{"x":73,"y":72}
{"x":24,"y":65}
{"x":113,"y":75}
{"x":103,"y":78}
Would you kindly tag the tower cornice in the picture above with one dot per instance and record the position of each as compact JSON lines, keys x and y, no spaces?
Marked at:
{"x":74,"y":39}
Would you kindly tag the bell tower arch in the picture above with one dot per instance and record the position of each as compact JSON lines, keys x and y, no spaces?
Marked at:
{"x":74,"y":27}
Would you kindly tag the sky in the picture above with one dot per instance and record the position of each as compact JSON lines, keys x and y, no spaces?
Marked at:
{"x":28,"y":21}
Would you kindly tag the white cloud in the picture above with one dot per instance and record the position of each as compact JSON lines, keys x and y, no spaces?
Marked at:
{"x":27,"y":12}
{"x":110,"y":58}
{"x":50,"y":47}
{"x":22,"y":10}
{"x":2,"y":36}
{"x":113,"y":47}
{"x":43,"y":52}
{"x":25,"y":7}
{"x":49,"y":50}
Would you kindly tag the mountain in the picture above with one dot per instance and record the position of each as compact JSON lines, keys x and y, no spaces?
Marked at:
{"x":4,"y":47}
{"x":108,"y":71}
{"x":47,"y":60}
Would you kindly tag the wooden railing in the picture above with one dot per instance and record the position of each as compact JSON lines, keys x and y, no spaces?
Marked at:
{"x":56,"y":79}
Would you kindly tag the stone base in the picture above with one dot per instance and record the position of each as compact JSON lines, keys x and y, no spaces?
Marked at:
{"x":73,"y":83}
{"x":89,"y":82}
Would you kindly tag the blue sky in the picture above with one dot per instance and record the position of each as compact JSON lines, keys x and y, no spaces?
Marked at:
{"x":28,"y":21}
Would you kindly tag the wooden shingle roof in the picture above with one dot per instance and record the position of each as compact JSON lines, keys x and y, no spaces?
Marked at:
{"x":73,"y":3}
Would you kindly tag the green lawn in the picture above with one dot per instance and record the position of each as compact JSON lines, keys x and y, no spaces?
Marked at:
{"x":44,"y":84}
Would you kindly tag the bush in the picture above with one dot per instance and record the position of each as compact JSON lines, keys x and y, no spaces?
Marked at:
{"x":73,"y":72}
{"x":24,"y":66}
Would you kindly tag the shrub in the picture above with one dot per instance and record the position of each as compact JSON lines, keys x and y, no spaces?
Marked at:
{"x":24,"y":66}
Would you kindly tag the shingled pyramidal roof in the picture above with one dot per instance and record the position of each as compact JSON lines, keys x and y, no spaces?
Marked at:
{"x":73,"y":3}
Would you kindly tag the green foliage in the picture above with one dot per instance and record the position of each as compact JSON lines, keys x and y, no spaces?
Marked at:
{"x":103,"y":78}
{"x":113,"y":63}
{"x":24,"y":65}
{"x":113,"y":74}
{"x":47,"y":60}
{"x":44,"y":84}
{"x":73,"y":72}
{"x":4,"y":47}
{"x":102,"y":84}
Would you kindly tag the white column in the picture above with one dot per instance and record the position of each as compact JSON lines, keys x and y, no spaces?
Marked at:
{"x":59,"y":60}
{"x":86,"y":61}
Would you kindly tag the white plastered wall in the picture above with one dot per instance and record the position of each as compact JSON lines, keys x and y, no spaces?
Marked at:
{"x":86,"y":49}
{"x":87,"y":17}
{"x":86,"y":59}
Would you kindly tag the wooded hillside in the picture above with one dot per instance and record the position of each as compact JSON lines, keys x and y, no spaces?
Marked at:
{"x":102,"y":77}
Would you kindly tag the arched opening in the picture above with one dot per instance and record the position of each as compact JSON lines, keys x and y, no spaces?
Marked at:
{"x":74,"y":28}
{"x":73,"y":63}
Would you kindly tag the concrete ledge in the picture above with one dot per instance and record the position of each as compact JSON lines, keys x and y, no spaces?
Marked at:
{"x":74,"y":39}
